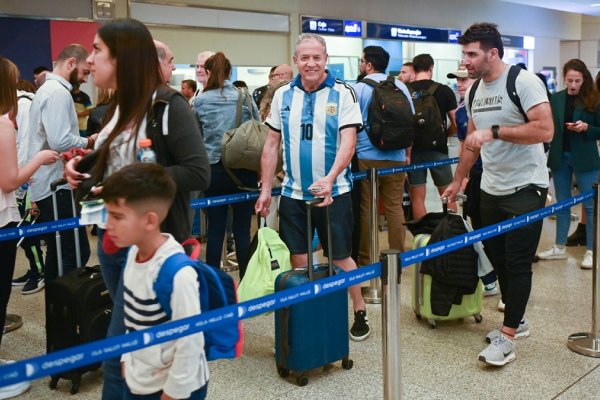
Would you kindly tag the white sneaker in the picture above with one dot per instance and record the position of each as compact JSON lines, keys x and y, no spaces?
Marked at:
{"x":521,"y":332}
{"x":553,"y":253}
{"x":500,"y":352}
{"x":9,"y":391}
{"x":501,"y":305}
{"x":588,"y":260}
{"x":490,"y":289}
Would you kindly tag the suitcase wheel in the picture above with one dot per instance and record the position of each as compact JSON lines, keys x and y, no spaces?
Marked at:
{"x":432,"y":323}
{"x":347,"y":363}
{"x":53,"y":382}
{"x":418,"y":316}
{"x":478,"y":318}
{"x":283,"y":372}
{"x":302,"y":380}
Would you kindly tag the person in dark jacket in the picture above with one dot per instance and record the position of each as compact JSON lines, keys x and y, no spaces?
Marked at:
{"x":125,"y":59}
{"x":573,"y":152}
{"x":96,"y":118}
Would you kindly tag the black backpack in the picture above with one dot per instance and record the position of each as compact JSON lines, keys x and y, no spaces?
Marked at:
{"x":430,"y":128}
{"x":511,"y":88}
{"x":391,"y":120}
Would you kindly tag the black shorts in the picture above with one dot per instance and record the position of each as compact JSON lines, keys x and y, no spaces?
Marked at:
{"x":293,"y":230}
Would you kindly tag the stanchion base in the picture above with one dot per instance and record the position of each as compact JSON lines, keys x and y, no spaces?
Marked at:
{"x":371,"y":295}
{"x":584,"y":343}
{"x":12,"y":322}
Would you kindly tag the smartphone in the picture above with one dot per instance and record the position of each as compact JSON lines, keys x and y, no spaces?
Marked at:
{"x":316,"y":189}
{"x":91,"y":198}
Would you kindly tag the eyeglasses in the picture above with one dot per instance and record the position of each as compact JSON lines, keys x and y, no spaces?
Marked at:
{"x":276,"y":76}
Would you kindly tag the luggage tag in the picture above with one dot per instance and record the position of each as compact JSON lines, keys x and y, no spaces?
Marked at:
{"x":93,"y":212}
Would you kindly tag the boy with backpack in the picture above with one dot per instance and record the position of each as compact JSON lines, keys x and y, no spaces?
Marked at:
{"x":138,"y":198}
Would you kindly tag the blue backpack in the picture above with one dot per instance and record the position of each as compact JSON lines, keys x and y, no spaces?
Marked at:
{"x":217,"y":289}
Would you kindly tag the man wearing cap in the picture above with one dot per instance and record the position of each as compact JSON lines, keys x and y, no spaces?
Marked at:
{"x":470,"y":185}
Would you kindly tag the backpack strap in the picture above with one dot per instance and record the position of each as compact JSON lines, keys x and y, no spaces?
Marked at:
{"x":433,"y":88}
{"x":163,"y":285}
{"x":25,"y":96}
{"x":511,"y":88}
{"x":472,"y":91}
{"x":370,"y":82}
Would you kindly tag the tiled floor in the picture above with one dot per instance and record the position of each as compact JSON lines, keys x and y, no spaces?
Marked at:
{"x":436,"y":364}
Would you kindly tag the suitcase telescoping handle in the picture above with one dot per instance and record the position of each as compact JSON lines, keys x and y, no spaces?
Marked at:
{"x":54,"y":187}
{"x":310,"y":235}
{"x":461,"y":198}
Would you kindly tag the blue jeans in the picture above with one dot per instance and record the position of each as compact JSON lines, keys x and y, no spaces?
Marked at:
{"x":562,"y":183}
{"x":221,"y":184}
{"x":199,"y":394}
{"x":112,"y":271}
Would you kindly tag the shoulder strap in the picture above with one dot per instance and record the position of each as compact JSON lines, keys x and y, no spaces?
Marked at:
{"x":248,"y":104}
{"x":163,"y":285}
{"x":511,"y":88}
{"x":433,"y":88}
{"x":474,"y":87}
{"x":238,"y":112}
{"x":370,"y":82}
{"x":25,"y":96}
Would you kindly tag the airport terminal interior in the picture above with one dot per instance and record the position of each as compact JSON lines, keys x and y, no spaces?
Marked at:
{"x":438,"y":363}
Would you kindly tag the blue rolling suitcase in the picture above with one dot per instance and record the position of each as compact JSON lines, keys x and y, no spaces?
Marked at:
{"x":313,"y":333}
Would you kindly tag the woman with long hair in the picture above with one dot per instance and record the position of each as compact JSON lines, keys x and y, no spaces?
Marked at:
{"x":216,"y":108}
{"x":11,"y":178}
{"x":125,"y":59}
{"x":574,"y":152}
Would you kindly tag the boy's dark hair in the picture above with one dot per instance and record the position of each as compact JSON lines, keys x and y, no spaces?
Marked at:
{"x":377,"y":56}
{"x":487,"y":34}
{"x":422,"y":63}
{"x":139,"y":182}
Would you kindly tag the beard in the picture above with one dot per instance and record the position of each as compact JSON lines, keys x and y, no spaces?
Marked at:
{"x":74,"y":77}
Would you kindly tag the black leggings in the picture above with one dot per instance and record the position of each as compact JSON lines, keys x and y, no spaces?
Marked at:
{"x":511,"y":253}
{"x":8,"y":254}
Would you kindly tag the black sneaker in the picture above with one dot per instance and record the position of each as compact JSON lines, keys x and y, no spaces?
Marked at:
{"x":33,"y":285}
{"x":21,"y":281}
{"x":360,"y":329}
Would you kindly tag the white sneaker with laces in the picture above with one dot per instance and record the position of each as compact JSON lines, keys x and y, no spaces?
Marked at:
{"x":14,"y":390}
{"x":553,"y":253}
{"x":522,"y":332}
{"x":499,"y":353}
{"x":588,"y":260}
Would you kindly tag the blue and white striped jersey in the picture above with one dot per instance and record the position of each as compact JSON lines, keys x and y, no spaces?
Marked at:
{"x":310,"y":125}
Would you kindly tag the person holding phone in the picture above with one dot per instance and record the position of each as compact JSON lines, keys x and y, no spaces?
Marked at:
{"x":574,"y":152}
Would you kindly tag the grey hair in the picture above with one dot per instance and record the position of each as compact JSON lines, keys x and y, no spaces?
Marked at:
{"x":311,"y":36}
{"x":160,"y":49}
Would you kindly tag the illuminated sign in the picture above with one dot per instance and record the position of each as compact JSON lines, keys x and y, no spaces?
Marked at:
{"x":336,"y":27}
{"x":411,"y":33}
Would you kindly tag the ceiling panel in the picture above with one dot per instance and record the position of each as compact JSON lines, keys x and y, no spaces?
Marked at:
{"x":574,"y":6}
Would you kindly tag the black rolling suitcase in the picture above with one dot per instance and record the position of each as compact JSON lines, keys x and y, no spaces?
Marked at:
{"x":78,"y":308}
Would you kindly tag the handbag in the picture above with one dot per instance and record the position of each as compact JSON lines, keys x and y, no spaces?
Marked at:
{"x":269,"y":257}
{"x":241,"y":147}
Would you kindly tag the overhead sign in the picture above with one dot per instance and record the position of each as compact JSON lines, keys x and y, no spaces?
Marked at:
{"x":512,"y":41}
{"x":335,"y":27}
{"x":411,"y":33}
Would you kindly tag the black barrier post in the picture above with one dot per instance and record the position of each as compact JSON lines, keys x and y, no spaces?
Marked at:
{"x":391,"y":272}
{"x":372,"y":293}
{"x":585,"y":343}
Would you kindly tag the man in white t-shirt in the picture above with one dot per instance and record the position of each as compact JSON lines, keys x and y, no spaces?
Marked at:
{"x":514,"y":179}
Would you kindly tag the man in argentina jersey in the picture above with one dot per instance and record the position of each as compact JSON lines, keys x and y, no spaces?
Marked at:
{"x":315,"y":118}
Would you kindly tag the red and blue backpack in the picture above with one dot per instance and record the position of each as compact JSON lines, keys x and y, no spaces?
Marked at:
{"x":216,"y":289}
